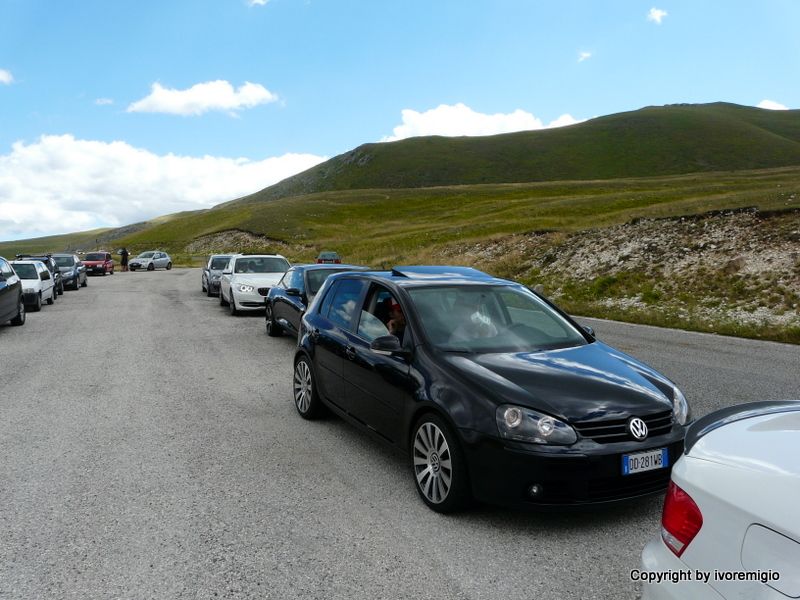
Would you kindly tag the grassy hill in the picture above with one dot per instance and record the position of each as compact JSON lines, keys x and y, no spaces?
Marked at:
{"x":649,"y":142}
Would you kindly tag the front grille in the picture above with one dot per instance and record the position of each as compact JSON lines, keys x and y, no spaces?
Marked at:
{"x":263,"y":291}
{"x":608,"y":432}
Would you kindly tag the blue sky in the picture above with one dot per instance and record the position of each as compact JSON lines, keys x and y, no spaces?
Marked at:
{"x":114,"y":112}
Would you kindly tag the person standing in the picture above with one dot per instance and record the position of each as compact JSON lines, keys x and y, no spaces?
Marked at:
{"x":124,"y":258}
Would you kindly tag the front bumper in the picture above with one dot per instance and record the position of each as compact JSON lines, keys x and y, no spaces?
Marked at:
{"x":250,"y":300}
{"x":587,"y":474}
{"x":30,"y":298}
{"x":213,"y":286}
{"x":95,"y":270}
{"x":658,"y":560}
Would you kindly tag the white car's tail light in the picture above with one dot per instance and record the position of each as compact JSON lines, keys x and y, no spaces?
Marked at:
{"x":681,"y":520}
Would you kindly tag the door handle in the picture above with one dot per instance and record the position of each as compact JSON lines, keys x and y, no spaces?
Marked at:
{"x":351,"y":352}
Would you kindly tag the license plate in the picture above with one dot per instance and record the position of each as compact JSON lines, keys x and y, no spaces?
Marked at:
{"x":645,"y":461}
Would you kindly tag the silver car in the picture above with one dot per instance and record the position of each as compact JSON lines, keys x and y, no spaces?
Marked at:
{"x":247,"y":279}
{"x":212,"y":273}
{"x":151,"y":260}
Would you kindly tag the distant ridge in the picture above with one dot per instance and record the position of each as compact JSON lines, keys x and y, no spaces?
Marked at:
{"x":653,"y":141}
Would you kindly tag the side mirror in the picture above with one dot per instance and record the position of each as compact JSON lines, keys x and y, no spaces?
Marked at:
{"x":45,"y":275}
{"x":387,"y":345}
{"x":293,"y":292}
{"x":589,"y":330}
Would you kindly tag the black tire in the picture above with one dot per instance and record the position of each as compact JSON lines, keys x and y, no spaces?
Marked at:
{"x":304,"y":390}
{"x":203,"y":285}
{"x":151,"y":267}
{"x":132,"y":268}
{"x":20,"y":318}
{"x":77,"y":284}
{"x":232,"y":305}
{"x":438,"y":465}
{"x":61,"y":288}
{"x":85,"y":281}
{"x":52,"y":299}
{"x":209,"y":293}
{"x":169,"y":266}
{"x":38,"y":306}
{"x":273,"y":329}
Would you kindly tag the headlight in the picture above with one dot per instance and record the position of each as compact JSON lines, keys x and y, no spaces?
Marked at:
{"x":215,"y":277}
{"x":526,"y":425}
{"x":28,"y":291}
{"x":680,"y":408}
{"x":245,"y":288}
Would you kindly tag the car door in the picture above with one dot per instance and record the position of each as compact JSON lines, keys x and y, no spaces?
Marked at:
{"x":289,"y":305}
{"x":8,"y":297}
{"x":48,"y":283}
{"x":377,"y":387}
{"x":330,"y":324}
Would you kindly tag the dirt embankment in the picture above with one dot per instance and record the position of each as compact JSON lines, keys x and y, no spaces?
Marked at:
{"x":727,"y":267}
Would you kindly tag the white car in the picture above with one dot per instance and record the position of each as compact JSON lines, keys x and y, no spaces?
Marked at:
{"x":151,"y":260}
{"x":247,"y":279}
{"x":37,"y":283}
{"x":731,"y":521}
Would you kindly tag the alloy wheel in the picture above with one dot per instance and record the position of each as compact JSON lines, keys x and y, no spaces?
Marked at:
{"x":433,"y":466}
{"x":303,"y":387}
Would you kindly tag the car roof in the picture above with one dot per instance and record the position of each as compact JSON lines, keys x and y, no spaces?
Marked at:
{"x":27,"y":261}
{"x":427,"y":275}
{"x":329,"y":267}
{"x":63,"y":254}
{"x":258,"y":256}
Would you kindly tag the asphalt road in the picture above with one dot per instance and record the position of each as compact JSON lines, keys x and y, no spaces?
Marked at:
{"x":150,"y":449}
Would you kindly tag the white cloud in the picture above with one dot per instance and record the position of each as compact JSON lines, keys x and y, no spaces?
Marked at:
{"x":257,"y":2}
{"x":584,"y":56}
{"x":60,"y":184}
{"x":461,"y":120}
{"x":772,"y":105}
{"x":103,"y":101}
{"x":203,"y":97}
{"x":6,"y":77}
{"x":656,"y":15}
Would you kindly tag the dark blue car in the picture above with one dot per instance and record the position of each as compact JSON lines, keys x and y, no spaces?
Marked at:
{"x":288,"y":300}
{"x":492,"y":391}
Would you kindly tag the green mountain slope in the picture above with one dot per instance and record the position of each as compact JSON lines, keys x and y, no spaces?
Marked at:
{"x":653,"y":141}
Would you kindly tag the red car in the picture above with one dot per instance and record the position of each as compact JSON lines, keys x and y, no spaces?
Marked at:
{"x":329,"y":258}
{"x":98,"y":263}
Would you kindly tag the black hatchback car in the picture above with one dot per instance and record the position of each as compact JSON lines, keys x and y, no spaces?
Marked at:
{"x":289,"y":298}
{"x":492,"y":391}
{"x":12,"y":303}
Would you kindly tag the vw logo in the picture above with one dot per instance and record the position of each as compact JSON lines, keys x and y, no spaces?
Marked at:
{"x":638,"y":428}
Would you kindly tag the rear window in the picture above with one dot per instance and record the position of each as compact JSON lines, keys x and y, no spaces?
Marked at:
{"x":95,"y":256}
{"x":64,"y":261}
{"x":26,"y":271}
{"x":219,"y":263}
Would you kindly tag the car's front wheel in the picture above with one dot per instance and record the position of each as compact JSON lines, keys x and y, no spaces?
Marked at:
{"x":52,"y":299}
{"x":273,"y":329}
{"x":169,"y":266}
{"x":440,"y":472}
{"x":306,"y":397}
{"x":222,"y":301}
{"x":232,"y":305}
{"x":61,"y":288}
{"x":38,"y":305}
{"x":151,"y":267}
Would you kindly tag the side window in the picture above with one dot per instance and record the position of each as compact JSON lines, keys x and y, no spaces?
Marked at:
{"x":283,"y":283}
{"x":5,"y":269}
{"x":376,"y":313}
{"x":296,"y":280}
{"x":325,"y":306}
{"x":344,"y":302}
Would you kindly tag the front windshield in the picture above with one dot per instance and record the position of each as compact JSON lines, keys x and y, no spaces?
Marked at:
{"x":26,"y":271}
{"x":64,"y":261}
{"x":95,"y":256}
{"x":490,"y":318}
{"x":261,"y":264}
{"x":316,"y":277}
{"x":219,"y":263}
{"x":146,"y":255}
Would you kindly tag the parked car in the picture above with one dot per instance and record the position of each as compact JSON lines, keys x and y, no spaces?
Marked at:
{"x":99,"y":263}
{"x":329,"y":258}
{"x":73,"y":271}
{"x":12,"y":302}
{"x":290,"y":297}
{"x":212,"y":273}
{"x":247,"y":278}
{"x":38,"y":284}
{"x":492,"y":391}
{"x":731,"y":509}
{"x":151,"y":260}
{"x":51,"y":265}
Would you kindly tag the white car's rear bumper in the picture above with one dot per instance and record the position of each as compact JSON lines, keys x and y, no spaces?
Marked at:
{"x":658,"y":560}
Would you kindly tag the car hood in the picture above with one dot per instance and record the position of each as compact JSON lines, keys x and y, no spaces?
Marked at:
{"x":586,"y":383}
{"x":66,"y":269}
{"x":258,"y":279}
